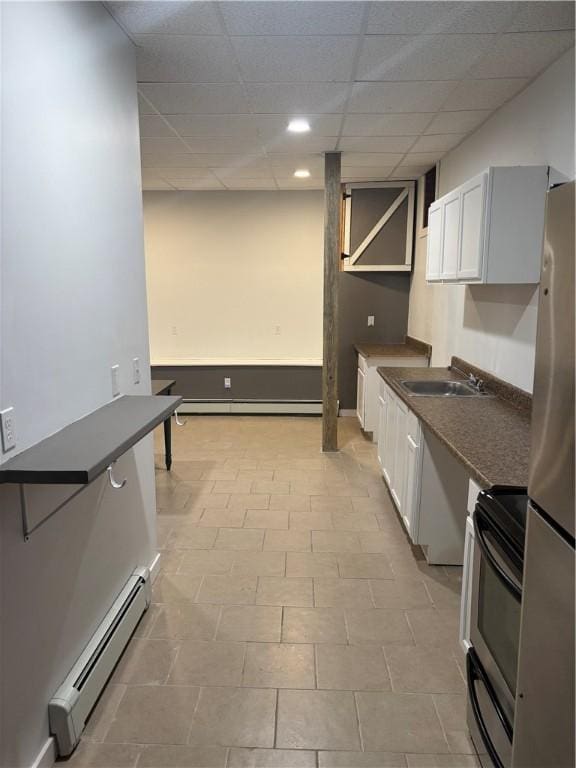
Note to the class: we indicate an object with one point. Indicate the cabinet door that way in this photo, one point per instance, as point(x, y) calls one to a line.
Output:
point(434, 242)
point(399, 478)
point(472, 218)
point(360, 396)
point(388, 467)
point(382, 413)
point(412, 502)
point(450, 234)
point(466, 595)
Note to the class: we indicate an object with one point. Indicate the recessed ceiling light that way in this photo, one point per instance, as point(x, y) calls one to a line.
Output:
point(298, 126)
point(302, 173)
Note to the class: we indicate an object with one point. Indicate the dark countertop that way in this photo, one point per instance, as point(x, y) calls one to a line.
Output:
point(409, 348)
point(488, 435)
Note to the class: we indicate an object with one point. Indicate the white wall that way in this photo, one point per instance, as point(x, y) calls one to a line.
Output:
point(226, 268)
point(73, 303)
point(494, 327)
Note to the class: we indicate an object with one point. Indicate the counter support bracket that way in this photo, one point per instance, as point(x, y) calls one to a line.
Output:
point(27, 531)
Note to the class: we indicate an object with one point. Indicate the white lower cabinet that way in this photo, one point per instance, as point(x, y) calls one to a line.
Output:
point(361, 397)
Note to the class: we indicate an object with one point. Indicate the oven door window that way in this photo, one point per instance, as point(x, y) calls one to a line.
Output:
point(499, 622)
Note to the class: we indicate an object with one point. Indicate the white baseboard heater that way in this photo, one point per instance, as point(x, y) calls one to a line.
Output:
point(76, 697)
point(285, 407)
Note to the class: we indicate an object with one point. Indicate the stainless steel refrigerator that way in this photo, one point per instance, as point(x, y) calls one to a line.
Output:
point(544, 718)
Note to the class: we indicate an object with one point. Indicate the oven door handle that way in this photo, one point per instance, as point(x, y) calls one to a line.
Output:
point(474, 671)
point(509, 583)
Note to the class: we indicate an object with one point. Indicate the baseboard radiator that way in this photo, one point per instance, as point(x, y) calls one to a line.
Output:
point(255, 407)
point(68, 710)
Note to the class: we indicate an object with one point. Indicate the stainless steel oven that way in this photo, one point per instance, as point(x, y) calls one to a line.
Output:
point(492, 661)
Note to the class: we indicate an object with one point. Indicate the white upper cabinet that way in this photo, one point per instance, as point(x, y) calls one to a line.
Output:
point(490, 229)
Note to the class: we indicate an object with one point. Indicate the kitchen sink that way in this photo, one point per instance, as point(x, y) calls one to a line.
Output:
point(429, 388)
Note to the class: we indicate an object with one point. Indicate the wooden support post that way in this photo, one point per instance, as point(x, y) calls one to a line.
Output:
point(332, 207)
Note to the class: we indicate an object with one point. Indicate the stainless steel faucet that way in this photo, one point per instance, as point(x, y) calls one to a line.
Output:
point(475, 382)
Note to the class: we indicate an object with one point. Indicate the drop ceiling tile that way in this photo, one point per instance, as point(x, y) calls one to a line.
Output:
point(386, 125)
point(272, 126)
point(410, 171)
point(199, 186)
point(197, 18)
point(156, 186)
point(399, 97)
point(153, 126)
point(184, 174)
point(457, 122)
point(437, 17)
point(243, 171)
point(366, 174)
point(295, 59)
point(372, 160)
point(292, 18)
point(185, 59)
point(255, 184)
point(523, 54)
point(168, 146)
point(483, 94)
point(420, 57)
point(215, 126)
point(187, 98)
point(438, 143)
point(376, 144)
point(222, 145)
point(427, 159)
point(162, 160)
point(540, 16)
point(286, 166)
point(297, 98)
point(291, 183)
point(149, 175)
point(296, 144)
point(143, 107)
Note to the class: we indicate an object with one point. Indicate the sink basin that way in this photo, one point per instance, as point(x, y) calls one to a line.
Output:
point(429, 388)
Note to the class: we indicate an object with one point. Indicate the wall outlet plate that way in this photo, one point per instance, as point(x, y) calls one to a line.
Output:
point(115, 376)
point(370, 320)
point(136, 370)
point(227, 383)
point(7, 427)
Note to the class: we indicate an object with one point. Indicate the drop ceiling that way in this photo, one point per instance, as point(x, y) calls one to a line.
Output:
point(392, 85)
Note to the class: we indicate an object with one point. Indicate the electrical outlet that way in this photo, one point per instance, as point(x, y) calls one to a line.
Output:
point(115, 376)
point(8, 429)
point(370, 320)
point(227, 383)
point(136, 370)
point(277, 330)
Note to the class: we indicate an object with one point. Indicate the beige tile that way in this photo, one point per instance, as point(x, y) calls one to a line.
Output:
point(435, 627)
point(203, 562)
point(460, 743)
point(103, 713)
point(276, 487)
point(423, 670)
point(250, 622)
point(279, 665)
point(175, 588)
point(444, 593)
point(154, 714)
point(93, 755)
point(173, 498)
point(239, 539)
point(292, 502)
point(256, 474)
point(330, 504)
point(451, 708)
point(354, 521)
point(205, 500)
point(285, 591)
point(361, 760)
point(399, 594)
point(399, 722)
point(232, 486)
point(271, 758)
point(352, 668)
point(145, 661)
point(378, 627)
point(259, 564)
point(197, 622)
point(171, 560)
point(308, 520)
point(381, 542)
point(314, 625)
point(311, 564)
point(249, 501)
point(288, 541)
point(275, 519)
point(317, 720)
point(345, 593)
point(156, 756)
point(375, 506)
point(335, 541)
point(187, 537)
point(442, 761)
point(363, 566)
point(208, 663)
point(239, 590)
point(222, 518)
point(235, 717)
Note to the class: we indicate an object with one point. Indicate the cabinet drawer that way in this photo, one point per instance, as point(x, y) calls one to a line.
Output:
point(362, 363)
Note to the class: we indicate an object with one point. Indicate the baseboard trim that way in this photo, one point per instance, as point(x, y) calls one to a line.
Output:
point(255, 407)
point(155, 567)
point(47, 755)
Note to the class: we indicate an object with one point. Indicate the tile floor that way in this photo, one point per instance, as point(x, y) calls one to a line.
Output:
point(292, 625)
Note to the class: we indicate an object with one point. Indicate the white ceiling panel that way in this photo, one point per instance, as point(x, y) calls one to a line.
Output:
point(248, 171)
point(155, 127)
point(187, 98)
point(366, 174)
point(162, 160)
point(483, 94)
point(295, 59)
point(376, 144)
point(272, 126)
point(297, 98)
point(422, 158)
point(421, 57)
point(168, 146)
point(156, 186)
point(184, 59)
point(523, 54)
point(181, 18)
point(215, 126)
point(250, 183)
point(291, 183)
point(457, 122)
point(174, 175)
point(437, 17)
point(375, 159)
point(221, 145)
point(292, 18)
point(399, 97)
point(144, 107)
point(542, 16)
point(199, 186)
point(438, 143)
point(410, 171)
point(386, 125)
point(294, 144)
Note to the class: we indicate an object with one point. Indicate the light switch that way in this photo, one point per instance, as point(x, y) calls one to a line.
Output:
point(136, 370)
point(227, 383)
point(115, 376)
point(8, 429)
point(370, 320)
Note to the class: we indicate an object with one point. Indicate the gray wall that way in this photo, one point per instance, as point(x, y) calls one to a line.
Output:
point(383, 295)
